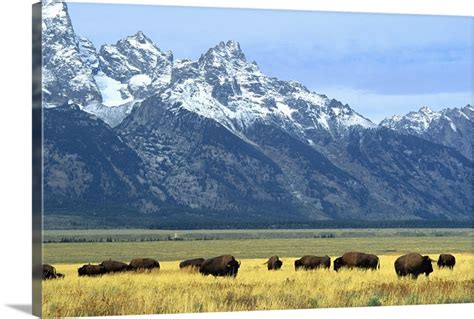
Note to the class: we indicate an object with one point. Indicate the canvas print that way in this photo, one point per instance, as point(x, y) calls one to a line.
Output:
point(211, 160)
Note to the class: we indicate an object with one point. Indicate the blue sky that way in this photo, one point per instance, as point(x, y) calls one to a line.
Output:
point(379, 64)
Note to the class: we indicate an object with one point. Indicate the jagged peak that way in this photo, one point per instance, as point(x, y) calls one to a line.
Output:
point(49, 2)
point(386, 122)
point(54, 9)
point(136, 41)
point(141, 41)
point(227, 50)
point(426, 110)
point(231, 45)
point(140, 37)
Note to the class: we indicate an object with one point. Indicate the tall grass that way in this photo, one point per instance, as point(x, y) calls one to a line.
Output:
point(170, 290)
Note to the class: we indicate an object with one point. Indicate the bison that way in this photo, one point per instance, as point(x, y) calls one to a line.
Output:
point(191, 263)
point(113, 266)
point(312, 262)
point(413, 264)
point(91, 270)
point(446, 260)
point(225, 265)
point(49, 272)
point(273, 263)
point(143, 263)
point(357, 260)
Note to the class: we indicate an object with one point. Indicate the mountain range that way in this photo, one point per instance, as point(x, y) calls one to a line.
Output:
point(131, 132)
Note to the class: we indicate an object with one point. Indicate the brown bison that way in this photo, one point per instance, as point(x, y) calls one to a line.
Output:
point(225, 265)
point(191, 263)
point(49, 272)
point(113, 266)
point(91, 270)
point(273, 263)
point(357, 260)
point(413, 264)
point(143, 263)
point(312, 262)
point(446, 260)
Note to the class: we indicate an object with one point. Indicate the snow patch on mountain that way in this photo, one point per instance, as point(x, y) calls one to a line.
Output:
point(285, 109)
point(113, 116)
point(114, 93)
point(139, 81)
point(53, 9)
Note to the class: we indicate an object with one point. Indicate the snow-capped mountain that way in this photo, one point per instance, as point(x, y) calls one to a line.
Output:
point(217, 139)
point(451, 127)
point(132, 69)
point(88, 54)
point(224, 86)
point(66, 75)
point(136, 60)
point(108, 83)
point(221, 85)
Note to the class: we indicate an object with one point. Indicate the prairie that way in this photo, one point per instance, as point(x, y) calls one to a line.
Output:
point(170, 290)
point(95, 246)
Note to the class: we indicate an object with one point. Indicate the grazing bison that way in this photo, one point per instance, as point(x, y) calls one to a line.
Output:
point(357, 260)
point(225, 265)
point(49, 272)
point(313, 262)
point(113, 266)
point(446, 260)
point(274, 263)
point(91, 270)
point(191, 263)
point(413, 264)
point(143, 263)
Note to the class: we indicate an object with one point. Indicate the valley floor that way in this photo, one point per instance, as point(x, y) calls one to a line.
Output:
point(95, 246)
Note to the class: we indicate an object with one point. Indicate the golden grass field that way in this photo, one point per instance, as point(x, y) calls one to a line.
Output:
point(170, 290)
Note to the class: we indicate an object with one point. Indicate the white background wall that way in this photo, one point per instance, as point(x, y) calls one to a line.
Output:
point(15, 151)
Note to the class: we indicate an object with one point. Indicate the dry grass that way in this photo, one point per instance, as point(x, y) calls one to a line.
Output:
point(171, 290)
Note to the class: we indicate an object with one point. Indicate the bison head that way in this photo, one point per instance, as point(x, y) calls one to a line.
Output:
point(427, 266)
point(233, 267)
point(81, 271)
point(297, 264)
point(338, 263)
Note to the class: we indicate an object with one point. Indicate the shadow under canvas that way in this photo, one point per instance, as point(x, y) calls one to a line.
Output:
point(25, 308)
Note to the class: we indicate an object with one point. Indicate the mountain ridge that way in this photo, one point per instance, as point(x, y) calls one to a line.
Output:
point(449, 126)
point(216, 139)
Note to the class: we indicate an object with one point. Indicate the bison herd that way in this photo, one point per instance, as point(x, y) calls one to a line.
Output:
point(412, 264)
point(111, 266)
